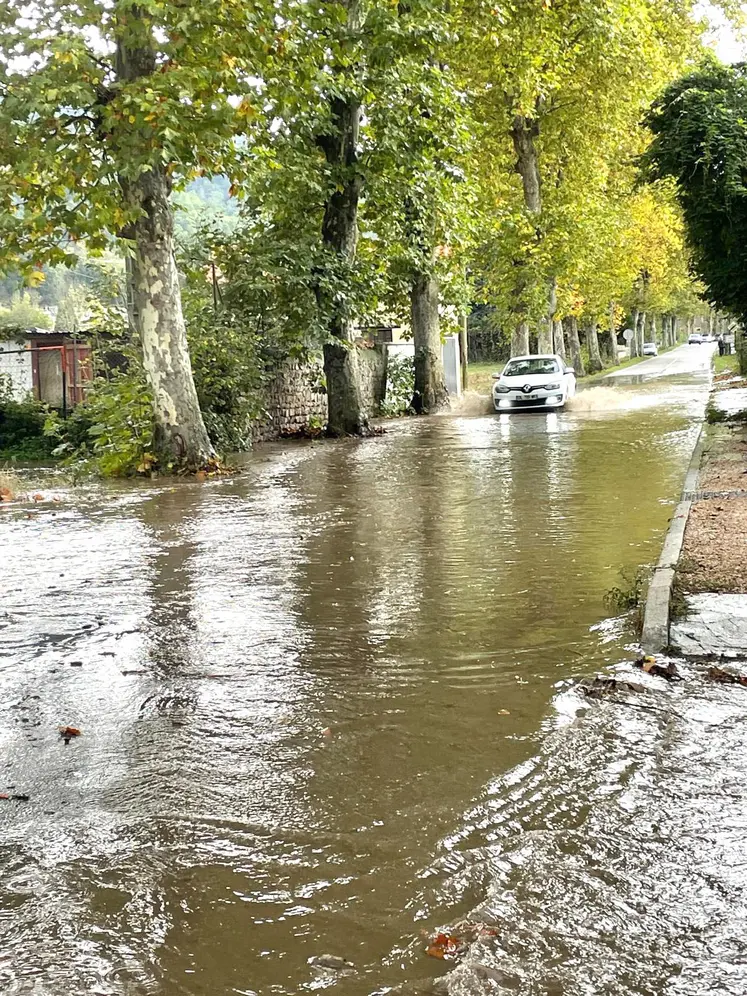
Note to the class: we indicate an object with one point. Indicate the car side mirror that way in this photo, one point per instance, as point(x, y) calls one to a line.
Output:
point(569, 370)
point(496, 376)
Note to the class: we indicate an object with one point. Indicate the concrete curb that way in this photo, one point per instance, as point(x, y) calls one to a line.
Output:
point(655, 636)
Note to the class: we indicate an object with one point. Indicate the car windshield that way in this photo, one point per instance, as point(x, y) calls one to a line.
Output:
point(532, 365)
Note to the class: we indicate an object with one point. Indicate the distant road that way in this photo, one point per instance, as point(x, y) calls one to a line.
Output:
point(682, 360)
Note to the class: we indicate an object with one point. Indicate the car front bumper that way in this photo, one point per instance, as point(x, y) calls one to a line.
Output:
point(515, 402)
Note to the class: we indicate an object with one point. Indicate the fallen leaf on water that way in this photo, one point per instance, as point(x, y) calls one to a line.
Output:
point(503, 712)
point(648, 663)
point(327, 731)
point(37, 497)
point(69, 731)
point(6, 494)
point(445, 947)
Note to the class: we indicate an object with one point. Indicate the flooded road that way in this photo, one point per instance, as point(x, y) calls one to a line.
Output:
point(324, 706)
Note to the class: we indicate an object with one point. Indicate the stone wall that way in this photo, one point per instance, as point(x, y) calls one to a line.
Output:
point(372, 363)
point(296, 400)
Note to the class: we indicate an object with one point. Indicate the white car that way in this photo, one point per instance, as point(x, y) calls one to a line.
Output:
point(650, 349)
point(695, 339)
point(536, 381)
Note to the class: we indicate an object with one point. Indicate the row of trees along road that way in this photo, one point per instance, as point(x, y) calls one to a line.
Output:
point(422, 153)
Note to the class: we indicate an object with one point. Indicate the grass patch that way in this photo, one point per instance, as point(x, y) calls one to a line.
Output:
point(9, 484)
point(480, 376)
point(726, 365)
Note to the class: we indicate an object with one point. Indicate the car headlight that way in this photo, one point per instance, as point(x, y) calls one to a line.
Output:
point(502, 389)
point(552, 387)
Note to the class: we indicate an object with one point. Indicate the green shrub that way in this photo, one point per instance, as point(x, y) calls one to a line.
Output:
point(400, 383)
point(22, 428)
point(228, 376)
point(112, 433)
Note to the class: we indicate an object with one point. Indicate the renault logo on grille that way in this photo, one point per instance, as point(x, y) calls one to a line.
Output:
point(527, 388)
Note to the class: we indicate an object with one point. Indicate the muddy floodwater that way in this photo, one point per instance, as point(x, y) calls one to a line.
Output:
point(326, 706)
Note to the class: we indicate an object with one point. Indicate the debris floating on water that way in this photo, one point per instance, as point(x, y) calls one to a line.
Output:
point(667, 671)
point(600, 687)
point(332, 963)
point(726, 677)
point(68, 732)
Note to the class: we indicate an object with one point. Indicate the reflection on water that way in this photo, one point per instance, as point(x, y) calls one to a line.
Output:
point(293, 686)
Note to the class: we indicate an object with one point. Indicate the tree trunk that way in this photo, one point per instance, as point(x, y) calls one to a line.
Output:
point(592, 341)
point(640, 332)
point(652, 330)
point(520, 340)
point(559, 340)
point(524, 130)
point(574, 346)
point(633, 344)
point(155, 295)
point(544, 332)
point(464, 351)
point(340, 233)
point(613, 333)
point(430, 392)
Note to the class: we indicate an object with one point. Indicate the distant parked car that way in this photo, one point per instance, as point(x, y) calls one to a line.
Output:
point(694, 339)
point(650, 349)
point(533, 381)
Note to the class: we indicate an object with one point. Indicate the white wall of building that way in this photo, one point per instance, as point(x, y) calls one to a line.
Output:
point(450, 354)
point(17, 366)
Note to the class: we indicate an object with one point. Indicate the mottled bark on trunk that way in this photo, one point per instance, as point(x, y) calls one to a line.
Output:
point(464, 350)
point(430, 392)
point(633, 344)
point(544, 332)
point(544, 336)
point(592, 342)
point(574, 345)
point(652, 330)
point(558, 340)
point(524, 131)
point(340, 233)
point(612, 328)
point(640, 337)
point(342, 374)
point(520, 340)
point(154, 294)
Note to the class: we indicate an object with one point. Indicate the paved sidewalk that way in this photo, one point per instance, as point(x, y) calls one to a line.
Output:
point(710, 603)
